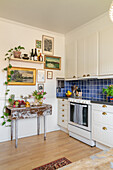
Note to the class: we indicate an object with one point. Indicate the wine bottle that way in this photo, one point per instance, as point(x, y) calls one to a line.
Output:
point(32, 55)
point(41, 57)
point(35, 55)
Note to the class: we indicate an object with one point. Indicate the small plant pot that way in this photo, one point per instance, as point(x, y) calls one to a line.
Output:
point(110, 98)
point(17, 54)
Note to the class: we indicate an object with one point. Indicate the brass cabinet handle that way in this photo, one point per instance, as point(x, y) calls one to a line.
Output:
point(74, 76)
point(62, 110)
point(62, 120)
point(62, 99)
point(62, 115)
point(104, 113)
point(62, 104)
point(88, 75)
point(84, 75)
point(104, 105)
point(104, 128)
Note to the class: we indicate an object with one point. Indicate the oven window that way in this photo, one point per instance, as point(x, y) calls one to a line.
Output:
point(79, 114)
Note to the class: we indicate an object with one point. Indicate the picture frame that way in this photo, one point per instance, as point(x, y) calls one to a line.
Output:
point(22, 76)
point(49, 74)
point(41, 75)
point(47, 45)
point(38, 44)
point(52, 62)
point(40, 87)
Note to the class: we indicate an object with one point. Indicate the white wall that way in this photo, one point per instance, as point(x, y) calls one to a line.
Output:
point(13, 34)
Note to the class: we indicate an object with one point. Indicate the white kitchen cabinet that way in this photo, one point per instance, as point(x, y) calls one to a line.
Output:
point(80, 58)
point(71, 60)
point(63, 111)
point(91, 55)
point(102, 124)
point(106, 51)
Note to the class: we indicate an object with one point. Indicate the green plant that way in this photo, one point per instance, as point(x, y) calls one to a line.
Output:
point(8, 55)
point(39, 95)
point(108, 90)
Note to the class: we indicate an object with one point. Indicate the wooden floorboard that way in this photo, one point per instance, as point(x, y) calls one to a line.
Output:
point(34, 151)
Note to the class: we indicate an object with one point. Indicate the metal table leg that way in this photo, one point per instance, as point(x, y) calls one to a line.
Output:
point(38, 125)
point(44, 128)
point(12, 128)
point(16, 133)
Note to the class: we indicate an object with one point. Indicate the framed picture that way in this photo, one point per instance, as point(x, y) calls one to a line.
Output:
point(52, 62)
point(40, 87)
point(49, 74)
point(38, 44)
point(41, 74)
point(47, 45)
point(22, 76)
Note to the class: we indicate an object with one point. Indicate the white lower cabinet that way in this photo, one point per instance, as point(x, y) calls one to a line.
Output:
point(63, 110)
point(102, 124)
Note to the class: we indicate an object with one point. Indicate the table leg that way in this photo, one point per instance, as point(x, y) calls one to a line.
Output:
point(38, 125)
point(44, 128)
point(12, 128)
point(16, 133)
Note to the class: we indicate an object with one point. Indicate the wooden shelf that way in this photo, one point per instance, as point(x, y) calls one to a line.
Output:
point(27, 61)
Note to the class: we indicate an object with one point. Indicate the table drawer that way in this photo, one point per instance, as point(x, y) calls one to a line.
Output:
point(102, 117)
point(102, 107)
point(103, 134)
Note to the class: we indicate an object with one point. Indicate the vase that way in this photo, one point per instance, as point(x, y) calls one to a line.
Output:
point(17, 54)
point(41, 102)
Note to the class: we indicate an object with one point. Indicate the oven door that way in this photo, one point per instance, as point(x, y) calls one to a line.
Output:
point(80, 115)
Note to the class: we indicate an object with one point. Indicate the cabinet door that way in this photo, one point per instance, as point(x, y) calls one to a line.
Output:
point(106, 52)
point(91, 55)
point(80, 58)
point(71, 60)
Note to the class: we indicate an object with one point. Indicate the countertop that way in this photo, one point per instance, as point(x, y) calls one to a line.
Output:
point(96, 101)
point(100, 161)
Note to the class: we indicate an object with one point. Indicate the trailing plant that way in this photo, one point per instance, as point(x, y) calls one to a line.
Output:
point(8, 55)
point(108, 90)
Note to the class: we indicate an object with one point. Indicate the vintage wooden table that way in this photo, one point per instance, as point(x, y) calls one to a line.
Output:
point(28, 112)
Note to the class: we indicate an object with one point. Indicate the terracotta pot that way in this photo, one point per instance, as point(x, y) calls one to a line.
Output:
point(17, 54)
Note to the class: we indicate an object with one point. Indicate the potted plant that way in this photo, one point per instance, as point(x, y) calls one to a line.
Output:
point(39, 96)
point(109, 91)
point(16, 51)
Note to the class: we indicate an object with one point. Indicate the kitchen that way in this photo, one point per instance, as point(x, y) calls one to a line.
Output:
point(86, 63)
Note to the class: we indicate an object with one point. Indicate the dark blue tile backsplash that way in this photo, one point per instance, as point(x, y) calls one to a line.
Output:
point(91, 89)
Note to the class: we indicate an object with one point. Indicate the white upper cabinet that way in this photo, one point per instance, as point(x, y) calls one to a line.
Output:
point(106, 52)
point(80, 58)
point(91, 55)
point(71, 60)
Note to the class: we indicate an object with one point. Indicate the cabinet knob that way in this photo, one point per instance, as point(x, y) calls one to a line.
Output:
point(88, 75)
point(104, 105)
point(62, 115)
point(62, 110)
point(74, 76)
point(104, 113)
point(62, 104)
point(84, 75)
point(62, 120)
point(62, 99)
point(104, 128)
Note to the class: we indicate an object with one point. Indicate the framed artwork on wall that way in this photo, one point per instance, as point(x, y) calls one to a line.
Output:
point(52, 62)
point(40, 87)
point(22, 76)
point(49, 74)
point(47, 45)
point(41, 76)
point(38, 44)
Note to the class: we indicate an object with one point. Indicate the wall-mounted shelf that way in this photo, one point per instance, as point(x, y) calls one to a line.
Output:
point(27, 61)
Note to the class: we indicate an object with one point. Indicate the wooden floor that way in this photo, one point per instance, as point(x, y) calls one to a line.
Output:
point(34, 151)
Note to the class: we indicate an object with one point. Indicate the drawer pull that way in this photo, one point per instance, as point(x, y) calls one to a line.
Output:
point(62, 110)
point(104, 128)
point(84, 75)
point(62, 120)
point(62, 115)
point(62, 104)
point(104, 105)
point(62, 99)
point(88, 75)
point(104, 113)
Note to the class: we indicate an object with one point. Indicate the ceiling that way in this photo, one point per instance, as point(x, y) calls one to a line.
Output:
point(54, 15)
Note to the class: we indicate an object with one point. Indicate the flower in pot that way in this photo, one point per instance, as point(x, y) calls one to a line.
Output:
point(109, 92)
point(39, 96)
point(17, 51)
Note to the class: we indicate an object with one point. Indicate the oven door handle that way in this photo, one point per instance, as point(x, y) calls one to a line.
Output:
point(72, 104)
